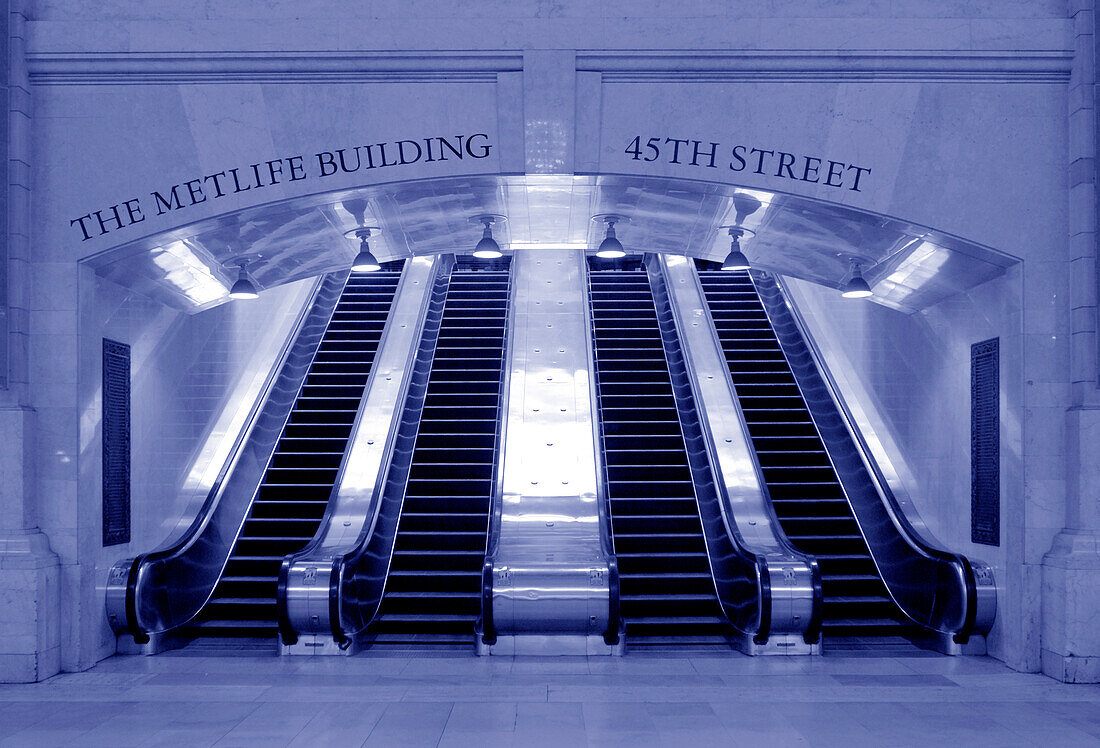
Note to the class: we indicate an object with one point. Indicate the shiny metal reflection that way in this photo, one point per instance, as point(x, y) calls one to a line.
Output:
point(330, 590)
point(550, 571)
point(910, 266)
point(856, 287)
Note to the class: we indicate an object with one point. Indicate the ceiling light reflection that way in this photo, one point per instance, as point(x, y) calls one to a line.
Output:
point(187, 273)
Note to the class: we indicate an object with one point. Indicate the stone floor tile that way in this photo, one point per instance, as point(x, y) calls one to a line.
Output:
point(542, 724)
point(457, 699)
point(410, 724)
point(340, 725)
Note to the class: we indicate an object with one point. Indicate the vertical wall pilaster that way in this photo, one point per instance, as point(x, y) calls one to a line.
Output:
point(29, 572)
point(1071, 570)
point(549, 106)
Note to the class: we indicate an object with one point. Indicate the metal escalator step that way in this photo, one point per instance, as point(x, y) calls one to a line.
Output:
point(676, 621)
point(242, 579)
point(270, 538)
point(212, 623)
point(421, 595)
point(439, 572)
point(861, 599)
point(285, 520)
point(671, 597)
point(679, 642)
point(660, 534)
point(670, 500)
point(794, 484)
point(863, 623)
point(642, 525)
point(253, 601)
point(799, 474)
point(426, 618)
point(625, 490)
point(276, 505)
point(796, 537)
point(663, 456)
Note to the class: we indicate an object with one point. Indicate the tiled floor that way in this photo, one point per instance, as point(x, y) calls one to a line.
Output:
point(449, 699)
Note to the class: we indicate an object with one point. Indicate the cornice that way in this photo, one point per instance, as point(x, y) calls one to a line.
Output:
point(266, 67)
point(1024, 66)
point(145, 68)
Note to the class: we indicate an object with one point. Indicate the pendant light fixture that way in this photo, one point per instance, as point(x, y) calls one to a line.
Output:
point(735, 259)
point(245, 286)
point(856, 287)
point(610, 248)
point(365, 261)
point(487, 248)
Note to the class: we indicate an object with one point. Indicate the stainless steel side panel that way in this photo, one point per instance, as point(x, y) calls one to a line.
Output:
point(313, 576)
point(743, 506)
point(163, 589)
point(550, 567)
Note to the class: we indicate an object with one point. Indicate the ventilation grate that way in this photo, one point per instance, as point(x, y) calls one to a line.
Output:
point(985, 452)
point(116, 442)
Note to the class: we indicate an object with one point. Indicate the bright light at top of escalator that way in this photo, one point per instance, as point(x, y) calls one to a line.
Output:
point(487, 248)
point(187, 273)
point(856, 287)
point(611, 248)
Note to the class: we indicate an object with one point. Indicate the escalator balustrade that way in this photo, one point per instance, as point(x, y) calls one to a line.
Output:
point(291, 500)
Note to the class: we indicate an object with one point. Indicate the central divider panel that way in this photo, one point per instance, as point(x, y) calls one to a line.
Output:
point(550, 580)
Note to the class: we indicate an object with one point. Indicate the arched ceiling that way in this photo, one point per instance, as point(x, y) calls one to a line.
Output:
point(909, 267)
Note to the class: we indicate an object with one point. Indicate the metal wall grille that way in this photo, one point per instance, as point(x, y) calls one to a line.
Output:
point(116, 442)
point(985, 443)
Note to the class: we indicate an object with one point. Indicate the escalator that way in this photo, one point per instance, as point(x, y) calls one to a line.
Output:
point(667, 593)
point(433, 589)
point(806, 492)
point(296, 486)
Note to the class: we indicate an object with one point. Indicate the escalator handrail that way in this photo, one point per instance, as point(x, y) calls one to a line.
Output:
point(781, 550)
point(907, 529)
point(603, 498)
point(496, 496)
point(128, 575)
point(331, 555)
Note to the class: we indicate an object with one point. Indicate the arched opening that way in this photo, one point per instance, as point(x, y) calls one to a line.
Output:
point(900, 358)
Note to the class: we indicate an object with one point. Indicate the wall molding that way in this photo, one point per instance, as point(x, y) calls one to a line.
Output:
point(142, 68)
point(1024, 66)
point(708, 66)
